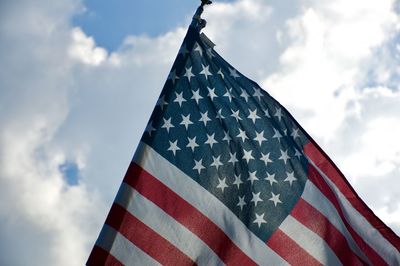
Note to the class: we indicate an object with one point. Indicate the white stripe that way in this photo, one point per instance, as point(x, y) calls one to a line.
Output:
point(166, 226)
point(122, 249)
point(315, 198)
point(361, 225)
point(206, 203)
point(309, 241)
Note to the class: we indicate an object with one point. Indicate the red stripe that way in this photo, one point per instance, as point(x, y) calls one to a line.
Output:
point(187, 215)
point(145, 238)
point(319, 182)
point(315, 153)
point(290, 250)
point(319, 224)
point(99, 256)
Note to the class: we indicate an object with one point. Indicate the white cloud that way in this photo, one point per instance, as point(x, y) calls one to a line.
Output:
point(84, 49)
point(44, 222)
point(320, 69)
point(63, 98)
point(366, 148)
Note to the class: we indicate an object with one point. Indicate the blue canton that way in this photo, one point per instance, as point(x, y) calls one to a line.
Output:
point(230, 136)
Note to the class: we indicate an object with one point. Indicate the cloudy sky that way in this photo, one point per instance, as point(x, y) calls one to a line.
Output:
point(80, 78)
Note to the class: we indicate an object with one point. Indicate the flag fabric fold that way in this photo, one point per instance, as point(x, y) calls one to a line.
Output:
point(225, 175)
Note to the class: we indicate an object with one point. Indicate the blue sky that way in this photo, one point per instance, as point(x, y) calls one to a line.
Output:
point(82, 78)
point(111, 22)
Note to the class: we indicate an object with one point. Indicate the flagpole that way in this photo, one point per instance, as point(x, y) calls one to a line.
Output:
point(201, 23)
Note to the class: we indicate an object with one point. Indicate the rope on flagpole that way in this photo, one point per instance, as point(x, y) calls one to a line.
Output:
point(201, 23)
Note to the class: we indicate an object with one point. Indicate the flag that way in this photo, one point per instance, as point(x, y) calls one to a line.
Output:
point(224, 174)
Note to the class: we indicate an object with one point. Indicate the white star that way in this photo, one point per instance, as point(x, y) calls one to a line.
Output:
point(266, 113)
point(295, 133)
point(217, 162)
point(211, 93)
point(247, 155)
point(260, 137)
point(257, 93)
point(241, 203)
point(198, 49)
point(205, 71)
point(192, 143)
point(259, 220)
point(227, 138)
point(290, 178)
point(284, 156)
point(196, 96)
point(149, 128)
point(179, 98)
point(220, 73)
point(167, 124)
point(253, 115)
point(242, 135)
point(198, 165)
point(275, 198)
point(233, 73)
point(298, 154)
point(211, 140)
point(265, 158)
point(189, 73)
point(161, 102)
point(236, 115)
point(233, 158)
point(229, 95)
point(219, 114)
point(204, 118)
point(173, 146)
point(245, 95)
point(238, 181)
point(252, 177)
point(277, 135)
point(186, 121)
point(278, 113)
point(256, 198)
point(183, 50)
point(172, 75)
point(222, 184)
point(271, 178)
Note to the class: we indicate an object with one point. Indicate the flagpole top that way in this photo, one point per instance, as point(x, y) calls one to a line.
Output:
point(198, 22)
point(205, 2)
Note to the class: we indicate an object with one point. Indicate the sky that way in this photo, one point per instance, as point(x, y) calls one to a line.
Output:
point(79, 80)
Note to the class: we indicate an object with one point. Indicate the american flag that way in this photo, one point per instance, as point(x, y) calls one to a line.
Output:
point(225, 175)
